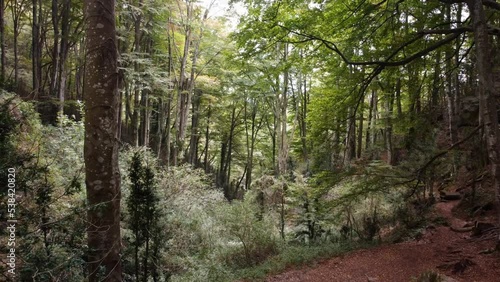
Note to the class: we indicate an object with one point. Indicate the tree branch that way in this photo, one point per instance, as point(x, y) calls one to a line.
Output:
point(454, 34)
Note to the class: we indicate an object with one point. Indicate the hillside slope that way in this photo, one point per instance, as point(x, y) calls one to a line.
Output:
point(453, 254)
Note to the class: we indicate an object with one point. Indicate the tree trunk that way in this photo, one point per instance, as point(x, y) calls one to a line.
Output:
point(165, 151)
point(250, 140)
point(350, 149)
point(35, 45)
point(369, 121)
point(449, 92)
point(183, 95)
point(2, 41)
point(55, 49)
point(102, 175)
point(282, 103)
point(159, 127)
point(137, 84)
point(487, 101)
point(17, 9)
point(373, 123)
point(388, 128)
point(207, 139)
point(195, 134)
point(360, 129)
point(303, 120)
point(63, 54)
point(16, 52)
point(144, 119)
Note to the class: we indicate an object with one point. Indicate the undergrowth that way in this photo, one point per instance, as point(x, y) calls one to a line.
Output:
point(298, 255)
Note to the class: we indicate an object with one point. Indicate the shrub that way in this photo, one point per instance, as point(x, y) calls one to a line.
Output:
point(251, 239)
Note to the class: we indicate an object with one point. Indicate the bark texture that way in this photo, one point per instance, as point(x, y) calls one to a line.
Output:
point(487, 101)
point(101, 147)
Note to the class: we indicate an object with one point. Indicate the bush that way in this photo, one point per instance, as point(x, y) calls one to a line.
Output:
point(251, 240)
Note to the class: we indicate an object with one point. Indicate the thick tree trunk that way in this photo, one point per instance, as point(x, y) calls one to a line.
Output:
point(2, 41)
point(101, 146)
point(487, 101)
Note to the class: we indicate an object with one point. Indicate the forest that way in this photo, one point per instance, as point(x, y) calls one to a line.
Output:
point(187, 140)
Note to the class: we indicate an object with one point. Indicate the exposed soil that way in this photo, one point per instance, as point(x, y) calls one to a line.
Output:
point(439, 249)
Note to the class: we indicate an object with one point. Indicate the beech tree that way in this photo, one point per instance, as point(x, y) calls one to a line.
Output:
point(101, 147)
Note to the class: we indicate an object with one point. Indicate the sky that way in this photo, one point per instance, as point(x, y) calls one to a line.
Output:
point(221, 8)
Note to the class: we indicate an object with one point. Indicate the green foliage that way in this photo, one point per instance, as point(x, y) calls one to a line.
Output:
point(52, 232)
point(252, 240)
point(144, 216)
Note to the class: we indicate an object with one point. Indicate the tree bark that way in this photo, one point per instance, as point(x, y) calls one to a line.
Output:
point(449, 92)
point(360, 130)
point(183, 95)
point(55, 48)
point(2, 41)
point(388, 128)
point(373, 123)
point(487, 101)
point(63, 54)
point(369, 121)
point(102, 175)
point(207, 139)
point(195, 134)
point(282, 102)
point(35, 52)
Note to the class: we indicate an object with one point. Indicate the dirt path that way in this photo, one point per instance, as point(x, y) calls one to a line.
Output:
point(400, 262)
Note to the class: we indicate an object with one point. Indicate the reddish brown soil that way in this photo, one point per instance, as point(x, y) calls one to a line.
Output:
point(400, 262)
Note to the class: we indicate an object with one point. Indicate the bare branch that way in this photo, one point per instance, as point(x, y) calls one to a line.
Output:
point(447, 31)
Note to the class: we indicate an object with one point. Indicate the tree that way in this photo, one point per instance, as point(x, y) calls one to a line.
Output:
point(487, 93)
point(144, 216)
point(101, 147)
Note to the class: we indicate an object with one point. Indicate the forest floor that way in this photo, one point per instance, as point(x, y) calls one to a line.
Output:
point(456, 255)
